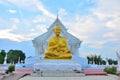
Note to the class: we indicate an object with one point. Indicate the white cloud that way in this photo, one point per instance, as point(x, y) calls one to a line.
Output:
point(20, 30)
point(17, 25)
point(100, 27)
point(42, 19)
point(7, 34)
point(114, 24)
point(62, 12)
point(109, 34)
point(107, 8)
point(95, 29)
point(30, 36)
point(84, 28)
point(12, 11)
point(112, 37)
point(42, 8)
point(41, 27)
point(10, 23)
point(85, 54)
point(15, 20)
point(109, 12)
point(2, 2)
point(22, 3)
point(32, 29)
point(11, 26)
point(33, 5)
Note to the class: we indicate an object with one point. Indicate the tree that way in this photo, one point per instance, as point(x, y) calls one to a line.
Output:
point(115, 62)
point(103, 62)
point(22, 58)
point(88, 58)
point(15, 55)
point(2, 56)
point(99, 60)
point(110, 70)
point(110, 61)
point(1, 59)
point(94, 59)
point(11, 68)
point(3, 53)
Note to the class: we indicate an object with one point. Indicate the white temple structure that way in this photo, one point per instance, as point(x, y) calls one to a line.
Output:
point(118, 56)
point(40, 42)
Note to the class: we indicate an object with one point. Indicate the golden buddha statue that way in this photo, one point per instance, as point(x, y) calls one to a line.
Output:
point(57, 46)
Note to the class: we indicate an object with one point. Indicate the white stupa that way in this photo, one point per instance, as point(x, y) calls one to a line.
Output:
point(118, 56)
point(40, 44)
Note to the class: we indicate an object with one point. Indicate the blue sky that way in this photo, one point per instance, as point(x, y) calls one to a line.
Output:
point(95, 22)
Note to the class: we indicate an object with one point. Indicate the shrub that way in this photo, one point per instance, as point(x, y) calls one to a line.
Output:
point(110, 70)
point(11, 68)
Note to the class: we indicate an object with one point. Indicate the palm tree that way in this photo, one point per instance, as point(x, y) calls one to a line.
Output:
point(99, 60)
point(115, 62)
point(95, 59)
point(88, 58)
point(110, 61)
point(103, 62)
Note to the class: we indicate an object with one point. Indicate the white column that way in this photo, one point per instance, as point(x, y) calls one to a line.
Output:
point(118, 56)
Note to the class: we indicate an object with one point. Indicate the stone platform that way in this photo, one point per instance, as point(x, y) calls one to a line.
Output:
point(57, 68)
point(57, 74)
point(57, 65)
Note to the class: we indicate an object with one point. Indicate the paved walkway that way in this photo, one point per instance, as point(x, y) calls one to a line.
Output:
point(109, 77)
point(13, 77)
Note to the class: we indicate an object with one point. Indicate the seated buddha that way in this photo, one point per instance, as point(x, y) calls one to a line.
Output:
point(57, 46)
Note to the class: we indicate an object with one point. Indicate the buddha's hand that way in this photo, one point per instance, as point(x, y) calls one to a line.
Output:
point(55, 46)
point(68, 51)
point(62, 45)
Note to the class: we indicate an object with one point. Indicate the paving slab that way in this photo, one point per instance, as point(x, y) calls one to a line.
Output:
point(109, 77)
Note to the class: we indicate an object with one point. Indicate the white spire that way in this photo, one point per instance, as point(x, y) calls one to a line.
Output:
point(57, 18)
point(118, 56)
point(57, 15)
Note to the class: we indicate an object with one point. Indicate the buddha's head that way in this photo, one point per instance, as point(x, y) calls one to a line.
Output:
point(57, 30)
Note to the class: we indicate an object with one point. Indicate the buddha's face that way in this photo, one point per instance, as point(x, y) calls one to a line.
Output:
point(57, 30)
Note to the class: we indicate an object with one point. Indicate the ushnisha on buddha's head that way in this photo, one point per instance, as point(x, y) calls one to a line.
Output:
point(57, 30)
